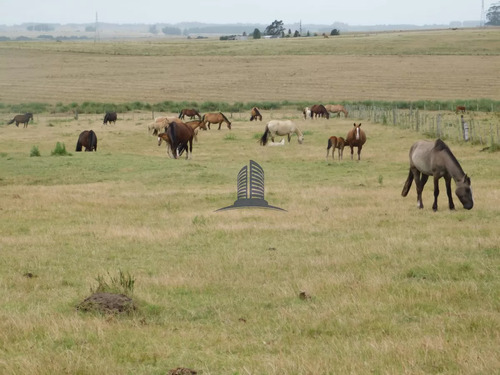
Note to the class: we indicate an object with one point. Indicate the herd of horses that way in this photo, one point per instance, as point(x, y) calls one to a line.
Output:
point(426, 158)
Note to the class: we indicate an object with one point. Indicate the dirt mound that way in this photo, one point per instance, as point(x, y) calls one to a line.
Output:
point(181, 371)
point(107, 303)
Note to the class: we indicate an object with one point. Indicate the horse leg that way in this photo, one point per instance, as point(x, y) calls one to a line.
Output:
point(420, 181)
point(220, 124)
point(359, 152)
point(448, 191)
point(352, 152)
point(289, 137)
point(436, 193)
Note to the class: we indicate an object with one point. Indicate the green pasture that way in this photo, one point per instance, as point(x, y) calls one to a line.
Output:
point(389, 289)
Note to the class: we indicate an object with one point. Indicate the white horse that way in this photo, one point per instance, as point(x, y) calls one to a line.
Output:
point(281, 128)
point(306, 112)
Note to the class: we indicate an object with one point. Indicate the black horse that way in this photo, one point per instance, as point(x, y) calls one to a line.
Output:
point(87, 139)
point(22, 119)
point(110, 117)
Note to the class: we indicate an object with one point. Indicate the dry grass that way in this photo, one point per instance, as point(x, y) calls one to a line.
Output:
point(393, 289)
point(387, 66)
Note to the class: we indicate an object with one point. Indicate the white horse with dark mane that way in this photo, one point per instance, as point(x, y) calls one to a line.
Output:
point(281, 128)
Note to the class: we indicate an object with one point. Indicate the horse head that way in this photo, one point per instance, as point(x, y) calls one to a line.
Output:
point(300, 138)
point(464, 192)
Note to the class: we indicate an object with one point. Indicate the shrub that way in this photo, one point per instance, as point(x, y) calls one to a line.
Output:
point(34, 151)
point(60, 150)
point(122, 283)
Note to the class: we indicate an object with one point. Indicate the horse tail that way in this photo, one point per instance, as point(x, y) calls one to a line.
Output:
point(92, 140)
point(171, 134)
point(407, 186)
point(78, 145)
point(329, 145)
point(11, 121)
point(180, 114)
point(263, 139)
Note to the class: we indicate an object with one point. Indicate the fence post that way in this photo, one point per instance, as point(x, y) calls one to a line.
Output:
point(438, 125)
point(465, 128)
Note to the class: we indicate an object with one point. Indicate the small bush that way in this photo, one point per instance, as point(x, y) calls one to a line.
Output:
point(123, 283)
point(34, 151)
point(60, 150)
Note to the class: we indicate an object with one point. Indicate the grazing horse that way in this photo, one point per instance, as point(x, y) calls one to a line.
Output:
point(280, 127)
point(336, 108)
point(215, 118)
point(189, 112)
point(22, 119)
point(436, 159)
point(87, 139)
point(460, 108)
point(195, 124)
point(255, 114)
point(306, 112)
point(319, 110)
point(333, 143)
point(181, 135)
point(110, 117)
point(356, 138)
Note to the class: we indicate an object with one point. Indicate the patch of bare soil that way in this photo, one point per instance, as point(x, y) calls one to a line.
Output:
point(107, 303)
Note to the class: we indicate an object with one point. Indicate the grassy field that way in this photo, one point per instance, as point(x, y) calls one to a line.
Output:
point(390, 289)
point(431, 65)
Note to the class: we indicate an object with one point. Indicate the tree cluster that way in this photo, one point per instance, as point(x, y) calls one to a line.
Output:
point(493, 15)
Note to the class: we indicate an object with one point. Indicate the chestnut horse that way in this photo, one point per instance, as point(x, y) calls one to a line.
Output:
point(255, 114)
point(333, 143)
point(87, 139)
point(460, 108)
point(336, 108)
point(22, 119)
point(189, 112)
point(436, 159)
point(215, 118)
point(356, 138)
point(319, 110)
point(181, 135)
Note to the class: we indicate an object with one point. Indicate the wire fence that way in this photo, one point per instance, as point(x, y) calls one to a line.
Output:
point(469, 126)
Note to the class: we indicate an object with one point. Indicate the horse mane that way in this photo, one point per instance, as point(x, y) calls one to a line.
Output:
point(439, 145)
point(225, 118)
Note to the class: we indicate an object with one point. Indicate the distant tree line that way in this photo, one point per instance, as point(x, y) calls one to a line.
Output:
point(493, 15)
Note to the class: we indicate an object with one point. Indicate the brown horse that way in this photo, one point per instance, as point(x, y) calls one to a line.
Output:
point(191, 112)
point(333, 143)
point(195, 125)
point(356, 138)
point(215, 118)
point(336, 108)
point(460, 108)
point(181, 135)
point(319, 110)
point(87, 139)
point(22, 119)
point(255, 114)
point(110, 117)
point(436, 159)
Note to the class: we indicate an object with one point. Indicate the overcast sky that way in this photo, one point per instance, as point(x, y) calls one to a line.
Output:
point(352, 12)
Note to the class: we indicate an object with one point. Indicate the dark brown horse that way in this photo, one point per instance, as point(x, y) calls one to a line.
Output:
point(181, 136)
point(436, 159)
point(333, 143)
point(215, 118)
point(110, 117)
point(191, 112)
point(22, 119)
point(319, 110)
point(255, 114)
point(460, 108)
point(356, 138)
point(87, 139)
